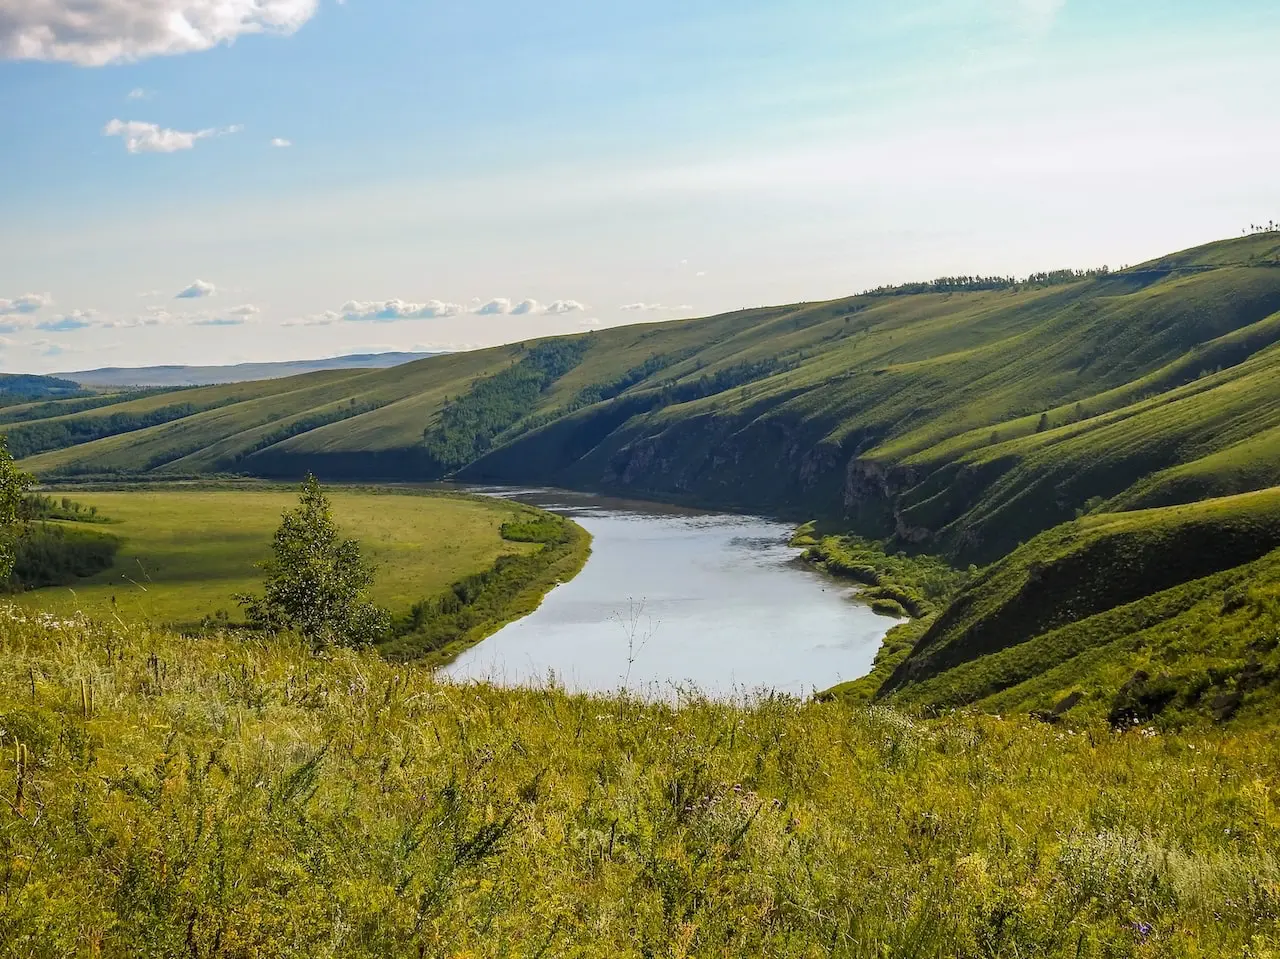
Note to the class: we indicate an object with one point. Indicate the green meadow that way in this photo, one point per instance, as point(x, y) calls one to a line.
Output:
point(240, 796)
point(186, 553)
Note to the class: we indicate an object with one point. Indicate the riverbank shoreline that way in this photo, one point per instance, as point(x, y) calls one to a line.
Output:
point(479, 606)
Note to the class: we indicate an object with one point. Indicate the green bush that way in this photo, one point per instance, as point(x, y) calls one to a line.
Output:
point(545, 529)
point(49, 554)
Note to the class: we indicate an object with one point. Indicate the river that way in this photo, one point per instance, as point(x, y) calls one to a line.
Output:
point(676, 599)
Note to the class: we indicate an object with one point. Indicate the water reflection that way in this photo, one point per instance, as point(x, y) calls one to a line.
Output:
point(674, 597)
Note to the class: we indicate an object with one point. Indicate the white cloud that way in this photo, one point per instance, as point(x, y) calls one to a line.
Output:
point(97, 32)
point(27, 303)
point(162, 316)
point(136, 322)
point(196, 290)
point(281, 142)
point(67, 322)
point(50, 348)
point(137, 93)
point(501, 306)
point(140, 137)
point(150, 293)
point(388, 311)
point(497, 307)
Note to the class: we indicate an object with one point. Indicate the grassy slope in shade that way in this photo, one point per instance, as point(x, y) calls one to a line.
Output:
point(186, 553)
point(247, 798)
point(1188, 596)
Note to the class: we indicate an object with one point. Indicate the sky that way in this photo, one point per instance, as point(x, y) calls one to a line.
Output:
point(218, 181)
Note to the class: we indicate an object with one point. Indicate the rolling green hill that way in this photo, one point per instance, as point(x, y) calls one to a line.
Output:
point(961, 418)
point(18, 388)
point(1169, 613)
point(961, 422)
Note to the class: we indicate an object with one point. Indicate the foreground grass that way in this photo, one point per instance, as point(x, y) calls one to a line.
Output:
point(245, 798)
point(187, 553)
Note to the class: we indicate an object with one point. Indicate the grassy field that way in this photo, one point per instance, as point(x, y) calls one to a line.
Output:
point(186, 553)
point(235, 797)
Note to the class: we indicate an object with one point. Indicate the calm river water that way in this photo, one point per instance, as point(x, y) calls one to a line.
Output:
point(677, 598)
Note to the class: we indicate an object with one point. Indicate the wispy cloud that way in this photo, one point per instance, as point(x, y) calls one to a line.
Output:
point(1037, 15)
point(94, 33)
point(140, 137)
point(318, 319)
point(196, 291)
point(654, 308)
point(220, 321)
point(67, 322)
point(27, 303)
point(134, 322)
point(137, 93)
point(281, 142)
point(163, 316)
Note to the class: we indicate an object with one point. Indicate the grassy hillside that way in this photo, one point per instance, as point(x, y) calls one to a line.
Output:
point(185, 554)
point(961, 418)
point(963, 421)
point(1170, 614)
point(246, 798)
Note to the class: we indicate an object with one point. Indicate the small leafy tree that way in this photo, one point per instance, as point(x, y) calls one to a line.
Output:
point(13, 487)
point(316, 584)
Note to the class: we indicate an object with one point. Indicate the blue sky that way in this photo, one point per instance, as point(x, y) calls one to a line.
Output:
point(453, 174)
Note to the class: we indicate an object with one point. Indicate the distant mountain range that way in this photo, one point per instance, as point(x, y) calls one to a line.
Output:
point(152, 376)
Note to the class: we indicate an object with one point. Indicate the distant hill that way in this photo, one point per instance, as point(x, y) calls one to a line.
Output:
point(152, 376)
point(26, 387)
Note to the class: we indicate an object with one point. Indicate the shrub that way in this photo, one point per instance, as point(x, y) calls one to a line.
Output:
point(316, 584)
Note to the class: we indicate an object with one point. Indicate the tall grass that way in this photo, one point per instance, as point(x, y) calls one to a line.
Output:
point(243, 797)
